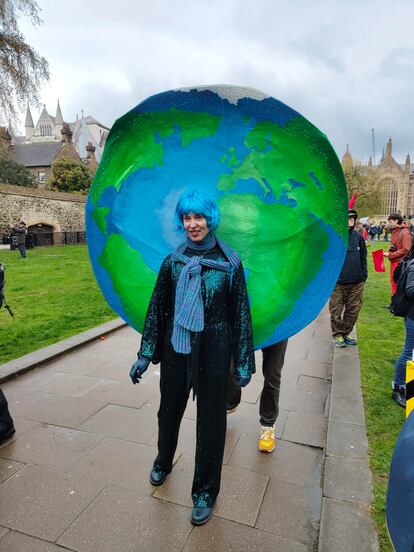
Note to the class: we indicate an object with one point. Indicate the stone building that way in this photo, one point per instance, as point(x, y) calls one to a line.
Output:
point(83, 140)
point(395, 182)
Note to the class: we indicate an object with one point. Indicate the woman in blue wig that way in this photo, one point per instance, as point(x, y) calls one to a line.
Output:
point(197, 319)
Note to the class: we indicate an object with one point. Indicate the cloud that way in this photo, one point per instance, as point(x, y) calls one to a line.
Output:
point(347, 67)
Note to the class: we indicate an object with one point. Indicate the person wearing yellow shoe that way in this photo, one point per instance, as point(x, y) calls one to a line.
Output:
point(273, 360)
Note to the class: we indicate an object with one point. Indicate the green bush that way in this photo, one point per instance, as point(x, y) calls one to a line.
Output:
point(16, 174)
point(69, 176)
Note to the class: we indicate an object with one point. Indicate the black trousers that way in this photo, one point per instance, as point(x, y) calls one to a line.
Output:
point(6, 421)
point(22, 249)
point(273, 360)
point(211, 420)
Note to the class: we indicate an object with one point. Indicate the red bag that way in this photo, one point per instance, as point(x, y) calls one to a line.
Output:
point(378, 258)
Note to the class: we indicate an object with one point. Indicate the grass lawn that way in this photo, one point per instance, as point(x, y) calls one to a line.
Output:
point(380, 340)
point(53, 294)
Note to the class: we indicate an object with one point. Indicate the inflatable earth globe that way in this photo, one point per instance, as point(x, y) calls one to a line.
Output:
point(275, 177)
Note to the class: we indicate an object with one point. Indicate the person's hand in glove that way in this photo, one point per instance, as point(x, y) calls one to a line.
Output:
point(242, 381)
point(138, 368)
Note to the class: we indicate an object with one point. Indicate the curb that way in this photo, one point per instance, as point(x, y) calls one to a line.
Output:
point(346, 523)
point(21, 365)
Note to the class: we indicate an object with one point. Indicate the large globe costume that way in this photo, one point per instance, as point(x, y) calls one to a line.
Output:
point(274, 175)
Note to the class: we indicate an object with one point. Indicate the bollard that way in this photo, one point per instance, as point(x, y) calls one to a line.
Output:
point(409, 387)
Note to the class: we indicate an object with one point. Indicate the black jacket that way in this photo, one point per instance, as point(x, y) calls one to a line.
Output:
point(227, 322)
point(20, 232)
point(409, 287)
point(354, 269)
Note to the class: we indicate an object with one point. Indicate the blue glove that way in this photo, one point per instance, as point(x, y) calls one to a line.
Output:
point(138, 368)
point(242, 381)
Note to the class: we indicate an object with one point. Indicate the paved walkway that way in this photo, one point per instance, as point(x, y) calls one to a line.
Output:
point(76, 474)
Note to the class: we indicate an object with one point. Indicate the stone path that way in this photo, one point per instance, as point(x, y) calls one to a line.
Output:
point(75, 477)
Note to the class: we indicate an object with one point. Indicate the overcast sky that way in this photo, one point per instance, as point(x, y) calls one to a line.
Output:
point(346, 66)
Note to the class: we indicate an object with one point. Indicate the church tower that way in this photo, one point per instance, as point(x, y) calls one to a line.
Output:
point(347, 162)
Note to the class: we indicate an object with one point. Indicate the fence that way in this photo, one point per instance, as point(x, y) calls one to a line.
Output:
point(47, 238)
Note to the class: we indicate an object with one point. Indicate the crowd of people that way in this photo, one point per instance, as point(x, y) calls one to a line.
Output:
point(346, 300)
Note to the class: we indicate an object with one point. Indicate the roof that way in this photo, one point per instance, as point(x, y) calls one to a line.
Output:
point(81, 136)
point(92, 121)
point(37, 154)
point(104, 136)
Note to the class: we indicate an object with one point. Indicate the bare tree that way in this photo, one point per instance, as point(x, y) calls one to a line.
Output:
point(22, 69)
point(362, 179)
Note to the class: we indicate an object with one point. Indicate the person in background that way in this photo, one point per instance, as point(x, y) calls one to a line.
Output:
point(6, 421)
point(364, 232)
point(20, 230)
point(346, 299)
point(402, 304)
point(401, 241)
point(400, 494)
point(273, 360)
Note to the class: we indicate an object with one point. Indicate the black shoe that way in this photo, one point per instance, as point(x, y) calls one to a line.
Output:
point(4, 435)
point(398, 394)
point(200, 516)
point(157, 477)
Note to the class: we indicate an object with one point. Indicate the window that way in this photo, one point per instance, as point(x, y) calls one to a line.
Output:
point(42, 177)
point(389, 197)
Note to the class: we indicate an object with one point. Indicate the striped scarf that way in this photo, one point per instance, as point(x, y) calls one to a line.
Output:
point(189, 307)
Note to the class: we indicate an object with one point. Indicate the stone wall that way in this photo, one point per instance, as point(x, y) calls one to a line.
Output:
point(65, 212)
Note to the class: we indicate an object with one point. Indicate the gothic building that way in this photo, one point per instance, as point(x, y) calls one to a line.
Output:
point(82, 140)
point(395, 183)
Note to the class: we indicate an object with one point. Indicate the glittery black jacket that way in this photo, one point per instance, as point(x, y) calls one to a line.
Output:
point(227, 319)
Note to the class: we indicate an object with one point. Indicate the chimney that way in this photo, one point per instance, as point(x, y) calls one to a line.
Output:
point(90, 158)
point(66, 134)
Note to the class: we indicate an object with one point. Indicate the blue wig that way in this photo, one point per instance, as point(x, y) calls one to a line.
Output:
point(197, 203)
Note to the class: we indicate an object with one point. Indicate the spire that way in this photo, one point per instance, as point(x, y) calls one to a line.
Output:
point(408, 164)
point(59, 118)
point(58, 122)
point(29, 119)
point(388, 151)
point(28, 125)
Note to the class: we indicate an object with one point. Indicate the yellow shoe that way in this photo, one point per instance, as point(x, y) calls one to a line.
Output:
point(267, 439)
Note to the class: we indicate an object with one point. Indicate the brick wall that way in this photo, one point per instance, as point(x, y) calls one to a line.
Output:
point(65, 212)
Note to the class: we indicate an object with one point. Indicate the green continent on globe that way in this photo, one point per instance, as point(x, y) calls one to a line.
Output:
point(282, 238)
point(286, 268)
point(99, 214)
point(283, 159)
point(132, 143)
point(124, 263)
